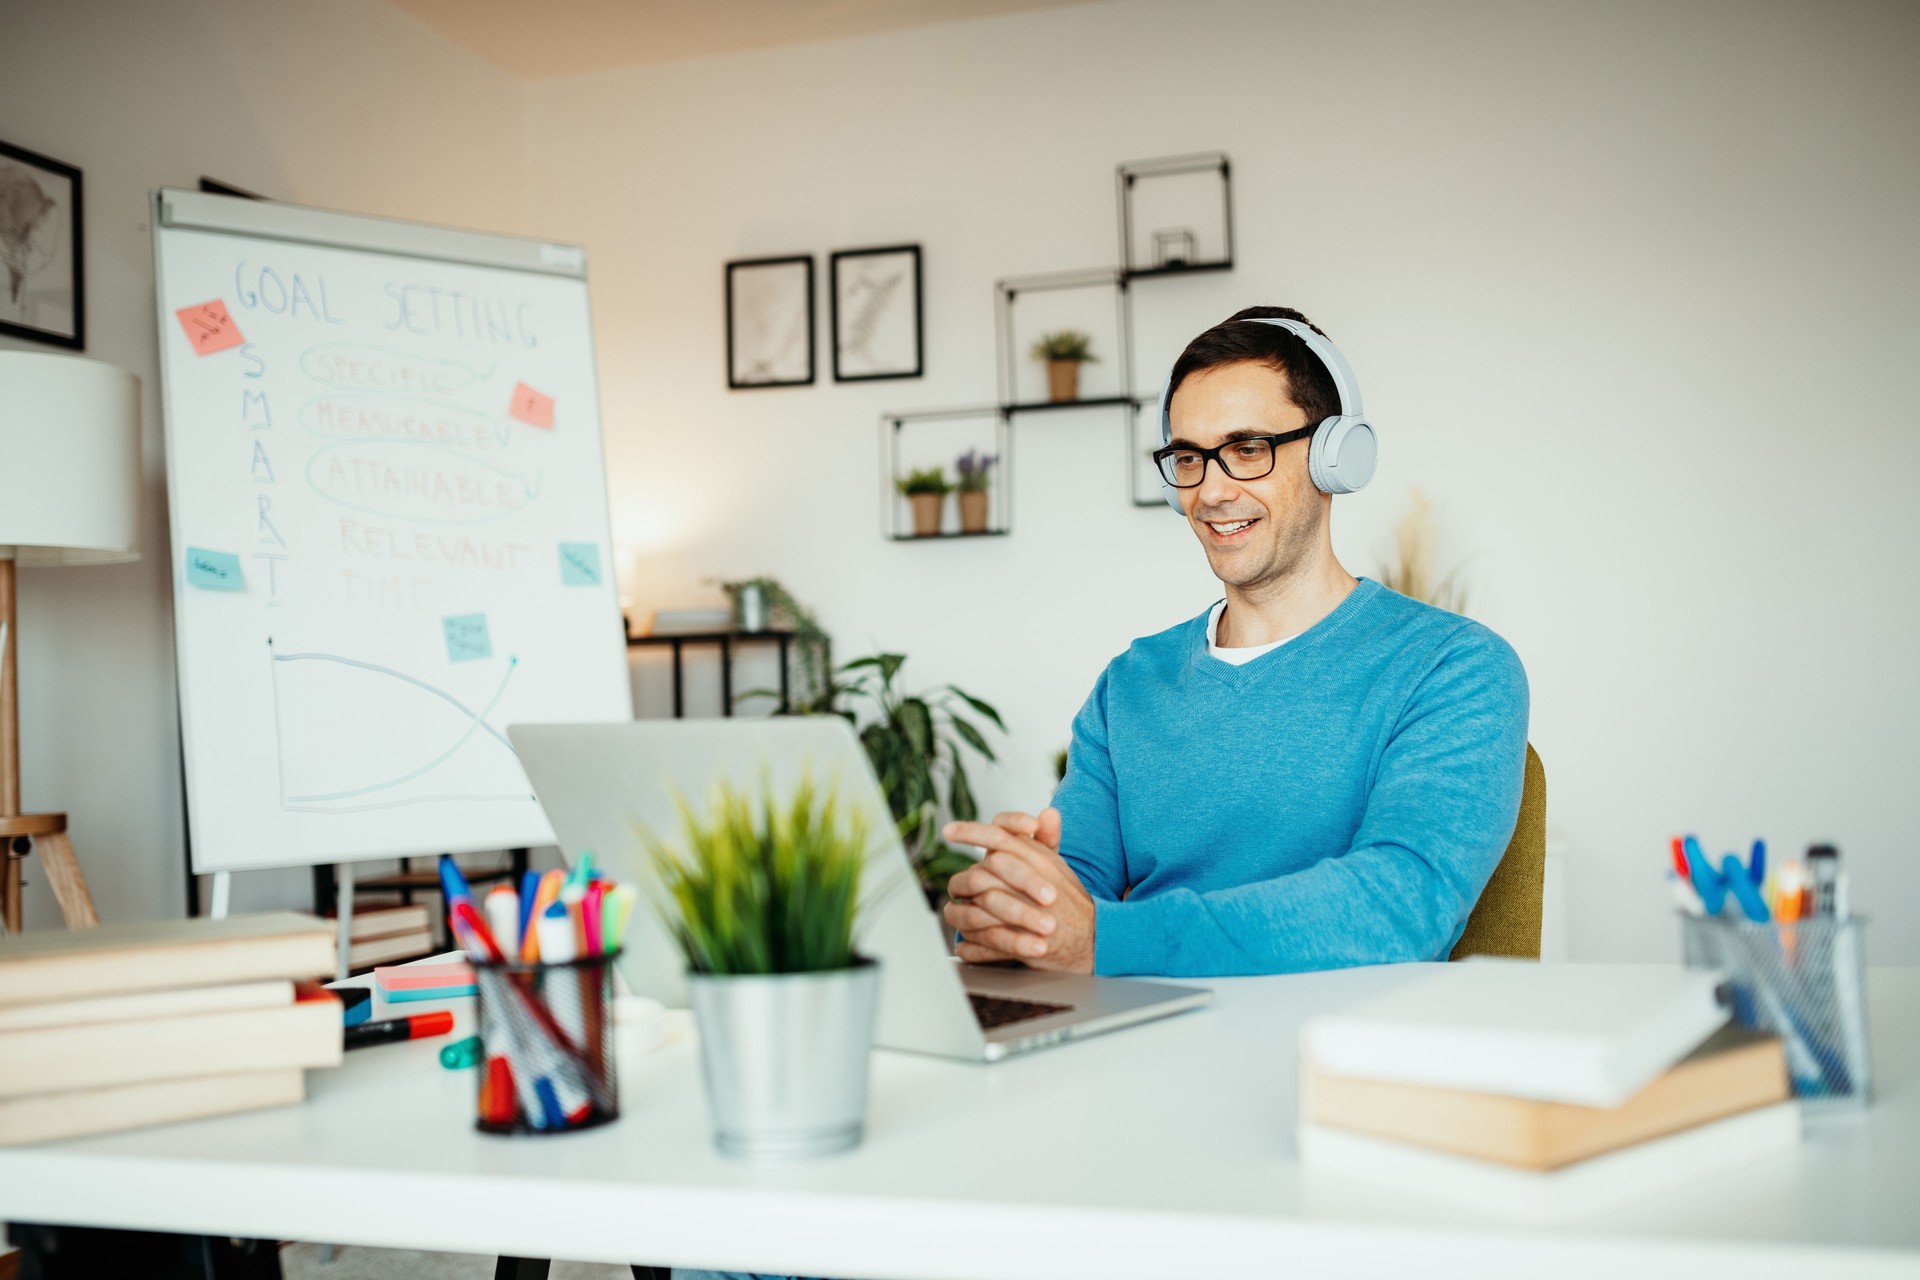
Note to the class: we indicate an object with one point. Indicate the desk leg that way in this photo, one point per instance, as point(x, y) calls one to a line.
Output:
point(521, 1269)
point(679, 708)
point(726, 676)
point(785, 698)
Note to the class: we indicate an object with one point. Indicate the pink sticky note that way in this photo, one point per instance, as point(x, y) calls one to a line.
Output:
point(209, 327)
point(531, 407)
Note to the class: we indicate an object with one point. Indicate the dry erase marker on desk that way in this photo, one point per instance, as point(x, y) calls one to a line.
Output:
point(417, 1027)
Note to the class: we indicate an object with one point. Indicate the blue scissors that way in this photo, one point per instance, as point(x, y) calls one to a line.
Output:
point(1742, 882)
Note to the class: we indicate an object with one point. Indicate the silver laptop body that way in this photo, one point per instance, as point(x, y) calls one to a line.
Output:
point(603, 784)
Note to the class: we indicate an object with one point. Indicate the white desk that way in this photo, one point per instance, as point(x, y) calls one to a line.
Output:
point(1163, 1151)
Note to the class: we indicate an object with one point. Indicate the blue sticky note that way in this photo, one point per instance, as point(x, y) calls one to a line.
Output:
point(580, 564)
point(214, 570)
point(467, 639)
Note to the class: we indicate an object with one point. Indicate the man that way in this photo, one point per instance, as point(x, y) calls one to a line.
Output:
point(1316, 772)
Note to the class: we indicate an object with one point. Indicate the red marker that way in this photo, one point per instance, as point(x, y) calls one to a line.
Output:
point(1680, 860)
point(417, 1027)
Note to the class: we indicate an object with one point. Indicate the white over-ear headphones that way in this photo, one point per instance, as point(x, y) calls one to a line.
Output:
point(1343, 451)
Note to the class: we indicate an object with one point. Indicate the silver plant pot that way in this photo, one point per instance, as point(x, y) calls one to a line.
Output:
point(785, 1059)
point(750, 608)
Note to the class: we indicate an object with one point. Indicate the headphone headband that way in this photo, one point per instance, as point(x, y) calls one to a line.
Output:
point(1342, 453)
point(1344, 382)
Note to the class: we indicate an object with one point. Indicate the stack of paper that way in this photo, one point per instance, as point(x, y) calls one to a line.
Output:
point(128, 1025)
point(1541, 1092)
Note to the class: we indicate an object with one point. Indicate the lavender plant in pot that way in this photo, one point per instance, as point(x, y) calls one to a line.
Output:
point(975, 471)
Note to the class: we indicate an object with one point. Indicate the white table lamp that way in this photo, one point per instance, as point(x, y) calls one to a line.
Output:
point(69, 494)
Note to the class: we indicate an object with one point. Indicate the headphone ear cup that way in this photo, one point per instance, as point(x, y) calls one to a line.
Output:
point(1342, 455)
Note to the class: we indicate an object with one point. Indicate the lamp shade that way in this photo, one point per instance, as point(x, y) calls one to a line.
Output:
point(69, 460)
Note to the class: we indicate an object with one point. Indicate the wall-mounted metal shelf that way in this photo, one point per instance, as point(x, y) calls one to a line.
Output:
point(1172, 251)
point(893, 448)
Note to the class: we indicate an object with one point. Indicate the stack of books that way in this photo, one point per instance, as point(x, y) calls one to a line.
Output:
point(380, 935)
point(127, 1025)
point(1541, 1093)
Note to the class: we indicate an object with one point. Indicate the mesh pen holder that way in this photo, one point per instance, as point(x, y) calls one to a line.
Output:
point(546, 1035)
point(1804, 981)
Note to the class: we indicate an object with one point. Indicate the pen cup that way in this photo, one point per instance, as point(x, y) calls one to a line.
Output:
point(1804, 981)
point(546, 1034)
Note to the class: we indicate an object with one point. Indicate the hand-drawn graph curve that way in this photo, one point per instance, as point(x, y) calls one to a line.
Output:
point(432, 746)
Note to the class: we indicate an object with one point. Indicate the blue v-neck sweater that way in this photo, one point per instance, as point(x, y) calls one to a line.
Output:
point(1341, 800)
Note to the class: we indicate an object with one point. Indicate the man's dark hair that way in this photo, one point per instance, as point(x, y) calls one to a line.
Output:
point(1308, 381)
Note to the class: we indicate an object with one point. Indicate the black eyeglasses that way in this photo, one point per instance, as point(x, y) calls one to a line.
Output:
point(1249, 458)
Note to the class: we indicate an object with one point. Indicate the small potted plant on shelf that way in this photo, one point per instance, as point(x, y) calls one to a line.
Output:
point(1064, 350)
point(926, 489)
point(761, 894)
point(974, 469)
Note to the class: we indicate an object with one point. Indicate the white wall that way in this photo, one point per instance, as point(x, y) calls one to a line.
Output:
point(1628, 286)
point(343, 103)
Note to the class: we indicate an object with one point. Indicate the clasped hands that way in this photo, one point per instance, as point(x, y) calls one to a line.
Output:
point(1021, 901)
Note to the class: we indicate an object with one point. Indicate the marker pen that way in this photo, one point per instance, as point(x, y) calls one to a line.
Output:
point(503, 918)
point(417, 1027)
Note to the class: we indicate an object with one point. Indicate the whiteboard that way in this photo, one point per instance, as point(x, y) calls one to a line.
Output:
point(389, 527)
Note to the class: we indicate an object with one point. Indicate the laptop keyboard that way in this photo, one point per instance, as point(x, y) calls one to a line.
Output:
point(998, 1011)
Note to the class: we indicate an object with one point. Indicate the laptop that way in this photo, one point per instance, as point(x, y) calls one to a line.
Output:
point(603, 784)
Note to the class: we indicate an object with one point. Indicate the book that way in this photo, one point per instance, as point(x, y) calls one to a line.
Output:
point(43, 1117)
point(374, 951)
point(305, 1033)
point(1606, 1182)
point(114, 959)
point(1590, 1034)
point(384, 922)
point(147, 1004)
point(1735, 1070)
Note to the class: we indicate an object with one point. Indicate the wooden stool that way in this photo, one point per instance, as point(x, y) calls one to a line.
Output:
point(21, 834)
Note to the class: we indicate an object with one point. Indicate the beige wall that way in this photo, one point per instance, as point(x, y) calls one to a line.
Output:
point(1628, 286)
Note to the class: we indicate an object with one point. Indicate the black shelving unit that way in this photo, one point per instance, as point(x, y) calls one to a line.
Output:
point(1129, 178)
point(1000, 509)
point(726, 641)
point(1182, 253)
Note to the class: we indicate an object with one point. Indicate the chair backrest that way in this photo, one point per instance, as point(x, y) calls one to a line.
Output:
point(1506, 920)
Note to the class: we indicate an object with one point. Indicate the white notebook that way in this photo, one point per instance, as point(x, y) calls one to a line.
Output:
point(1579, 1190)
point(1588, 1034)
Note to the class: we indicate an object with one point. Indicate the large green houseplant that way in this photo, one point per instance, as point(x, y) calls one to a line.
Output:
point(762, 893)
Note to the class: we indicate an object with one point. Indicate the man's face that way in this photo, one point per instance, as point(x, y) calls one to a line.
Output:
point(1254, 531)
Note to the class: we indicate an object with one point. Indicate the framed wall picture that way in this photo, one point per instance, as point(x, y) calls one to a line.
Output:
point(875, 299)
point(42, 273)
point(770, 322)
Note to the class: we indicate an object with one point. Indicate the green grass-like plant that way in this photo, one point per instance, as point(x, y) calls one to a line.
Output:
point(1065, 344)
point(762, 885)
point(924, 480)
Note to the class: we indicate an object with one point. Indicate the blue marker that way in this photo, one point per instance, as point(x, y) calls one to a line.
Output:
point(452, 883)
point(1745, 891)
point(529, 890)
point(1706, 881)
point(1757, 864)
point(550, 1103)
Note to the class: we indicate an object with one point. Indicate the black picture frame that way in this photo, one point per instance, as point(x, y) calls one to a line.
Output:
point(856, 361)
point(41, 245)
point(761, 344)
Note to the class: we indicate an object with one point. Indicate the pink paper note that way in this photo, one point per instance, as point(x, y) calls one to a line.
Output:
point(531, 407)
point(209, 328)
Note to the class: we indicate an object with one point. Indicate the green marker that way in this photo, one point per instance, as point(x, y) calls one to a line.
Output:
point(461, 1053)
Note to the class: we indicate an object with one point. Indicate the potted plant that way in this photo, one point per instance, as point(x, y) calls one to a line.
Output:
point(974, 468)
point(761, 894)
point(927, 489)
point(1064, 350)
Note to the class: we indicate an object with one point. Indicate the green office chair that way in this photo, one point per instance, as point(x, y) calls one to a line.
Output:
point(1506, 920)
